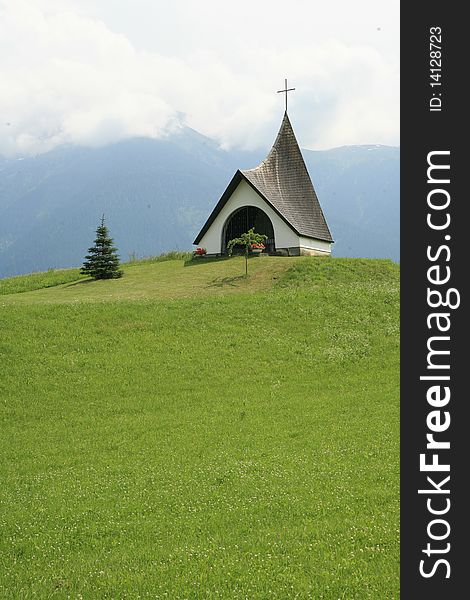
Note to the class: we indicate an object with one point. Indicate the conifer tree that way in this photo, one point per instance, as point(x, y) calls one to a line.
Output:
point(102, 261)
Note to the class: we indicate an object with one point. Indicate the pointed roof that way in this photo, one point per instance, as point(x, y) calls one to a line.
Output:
point(283, 182)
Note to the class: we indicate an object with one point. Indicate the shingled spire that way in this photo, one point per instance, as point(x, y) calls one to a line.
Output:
point(283, 180)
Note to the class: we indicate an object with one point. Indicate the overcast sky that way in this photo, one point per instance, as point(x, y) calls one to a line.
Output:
point(96, 71)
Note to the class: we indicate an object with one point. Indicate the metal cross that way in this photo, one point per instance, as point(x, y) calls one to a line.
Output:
point(285, 90)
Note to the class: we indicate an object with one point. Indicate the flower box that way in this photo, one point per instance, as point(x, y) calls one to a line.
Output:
point(257, 248)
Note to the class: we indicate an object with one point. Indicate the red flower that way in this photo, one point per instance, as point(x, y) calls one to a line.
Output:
point(200, 251)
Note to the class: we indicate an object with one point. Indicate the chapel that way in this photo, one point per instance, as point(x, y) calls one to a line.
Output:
point(277, 198)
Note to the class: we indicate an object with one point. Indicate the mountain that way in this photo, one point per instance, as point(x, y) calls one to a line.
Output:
point(156, 194)
point(359, 189)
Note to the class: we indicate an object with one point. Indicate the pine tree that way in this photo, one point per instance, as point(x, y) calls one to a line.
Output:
point(102, 261)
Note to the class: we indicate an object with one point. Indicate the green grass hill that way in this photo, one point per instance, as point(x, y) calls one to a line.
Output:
point(185, 433)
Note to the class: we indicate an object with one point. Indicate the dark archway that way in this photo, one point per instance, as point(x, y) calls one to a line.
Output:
point(243, 219)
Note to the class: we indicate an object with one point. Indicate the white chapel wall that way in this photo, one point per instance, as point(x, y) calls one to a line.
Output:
point(245, 195)
point(319, 245)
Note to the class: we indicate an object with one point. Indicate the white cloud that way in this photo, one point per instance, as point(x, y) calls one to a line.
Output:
point(79, 73)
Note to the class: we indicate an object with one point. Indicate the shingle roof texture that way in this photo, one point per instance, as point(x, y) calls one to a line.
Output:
point(282, 178)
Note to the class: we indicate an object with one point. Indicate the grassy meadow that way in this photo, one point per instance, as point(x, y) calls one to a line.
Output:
point(36, 281)
point(184, 433)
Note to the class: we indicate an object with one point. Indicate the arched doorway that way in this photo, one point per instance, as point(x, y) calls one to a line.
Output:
point(243, 219)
